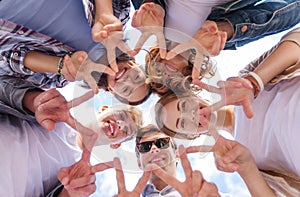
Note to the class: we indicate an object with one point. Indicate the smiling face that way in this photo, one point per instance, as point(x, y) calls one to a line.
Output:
point(181, 115)
point(163, 157)
point(117, 126)
point(129, 82)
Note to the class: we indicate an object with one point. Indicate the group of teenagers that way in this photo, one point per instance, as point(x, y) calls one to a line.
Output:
point(45, 45)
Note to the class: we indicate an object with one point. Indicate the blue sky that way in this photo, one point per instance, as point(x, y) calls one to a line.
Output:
point(228, 64)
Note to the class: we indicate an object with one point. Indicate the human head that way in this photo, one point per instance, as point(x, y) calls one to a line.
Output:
point(159, 70)
point(117, 124)
point(177, 116)
point(128, 85)
point(166, 158)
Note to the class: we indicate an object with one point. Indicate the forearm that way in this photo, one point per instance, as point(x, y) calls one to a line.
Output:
point(103, 7)
point(41, 62)
point(256, 185)
point(286, 55)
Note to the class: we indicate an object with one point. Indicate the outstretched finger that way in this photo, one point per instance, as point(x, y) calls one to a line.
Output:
point(142, 182)
point(167, 178)
point(86, 154)
point(77, 101)
point(186, 165)
point(196, 149)
point(211, 108)
point(92, 83)
point(207, 87)
point(143, 38)
point(161, 44)
point(197, 65)
point(111, 56)
point(178, 49)
point(247, 107)
point(49, 95)
point(119, 175)
point(125, 48)
point(102, 166)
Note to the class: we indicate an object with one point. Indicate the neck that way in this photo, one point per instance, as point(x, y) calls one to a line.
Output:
point(159, 184)
point(225, 119)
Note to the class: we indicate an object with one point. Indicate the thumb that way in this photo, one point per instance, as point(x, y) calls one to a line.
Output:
point(48, 124)
point(117, 26)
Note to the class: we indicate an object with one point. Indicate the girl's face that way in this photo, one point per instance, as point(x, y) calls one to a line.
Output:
point(182, 115)
point(129, 82)
point(117, 126)
point(173, 67)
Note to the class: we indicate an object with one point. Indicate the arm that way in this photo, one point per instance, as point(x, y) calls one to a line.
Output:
point(137, 3)
point(79, 179)
point(231, 156)
point(241, 18)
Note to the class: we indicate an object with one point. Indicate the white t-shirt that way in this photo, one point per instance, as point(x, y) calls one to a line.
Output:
point(187, 16)
point(273, 133)
point(32, 156)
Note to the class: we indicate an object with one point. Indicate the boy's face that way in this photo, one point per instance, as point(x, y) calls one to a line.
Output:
point(164, 156)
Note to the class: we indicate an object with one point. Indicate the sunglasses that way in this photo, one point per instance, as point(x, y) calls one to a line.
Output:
point(161, 143)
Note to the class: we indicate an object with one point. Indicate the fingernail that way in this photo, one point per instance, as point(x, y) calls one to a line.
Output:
point(64, 181)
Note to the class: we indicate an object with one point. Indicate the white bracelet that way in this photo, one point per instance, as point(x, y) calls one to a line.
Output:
point(258, 79)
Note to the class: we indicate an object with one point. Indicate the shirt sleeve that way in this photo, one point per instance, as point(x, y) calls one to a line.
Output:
point(13, 91)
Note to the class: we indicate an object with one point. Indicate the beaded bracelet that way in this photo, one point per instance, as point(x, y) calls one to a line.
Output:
point(60, 64)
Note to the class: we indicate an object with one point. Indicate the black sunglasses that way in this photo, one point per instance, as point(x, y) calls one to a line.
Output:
point(161, 143)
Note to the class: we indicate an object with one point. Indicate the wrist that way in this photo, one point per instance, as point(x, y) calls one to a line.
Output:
point(29, 100)
point(256, 82)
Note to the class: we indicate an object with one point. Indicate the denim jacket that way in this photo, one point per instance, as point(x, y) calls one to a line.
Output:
point(251, 19)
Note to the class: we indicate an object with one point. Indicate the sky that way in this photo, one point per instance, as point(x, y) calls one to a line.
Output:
point(229, 62)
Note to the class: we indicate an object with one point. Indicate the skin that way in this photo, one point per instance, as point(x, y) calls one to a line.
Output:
point(194, 184)
point(164, 158)
point(129, 82)
point(79, 179)
point(231, 156)
point(138, 189)
point(184, 117)
point(116, 126)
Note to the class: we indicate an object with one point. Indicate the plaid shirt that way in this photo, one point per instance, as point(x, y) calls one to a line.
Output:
point(16, 41)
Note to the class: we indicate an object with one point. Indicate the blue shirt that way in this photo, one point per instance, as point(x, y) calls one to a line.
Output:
point(63, 20)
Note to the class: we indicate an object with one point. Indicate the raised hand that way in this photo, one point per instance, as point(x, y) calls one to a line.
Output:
point(234, 91)
point(86, 69)
point(113, 40)
point(194, 184)
point(72, 63)
point(122, 191)
point(149, 19)
point(208, 40)
point(79, 179)
point(104, 25)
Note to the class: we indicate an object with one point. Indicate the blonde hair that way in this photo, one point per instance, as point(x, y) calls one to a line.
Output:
point(135, 112)
point(178, 83)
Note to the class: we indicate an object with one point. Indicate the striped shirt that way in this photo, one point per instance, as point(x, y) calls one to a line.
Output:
point(16, 41)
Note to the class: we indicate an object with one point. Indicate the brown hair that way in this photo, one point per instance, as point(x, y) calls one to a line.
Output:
point(149, 129)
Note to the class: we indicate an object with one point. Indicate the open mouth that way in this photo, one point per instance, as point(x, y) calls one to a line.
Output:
point(120, 73)
point(156, 160)
point(110, 129)
point(171, 68)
